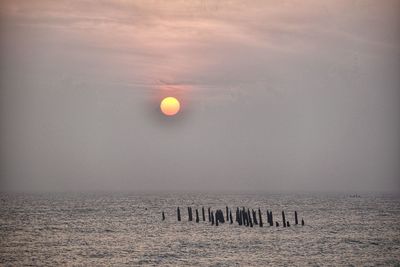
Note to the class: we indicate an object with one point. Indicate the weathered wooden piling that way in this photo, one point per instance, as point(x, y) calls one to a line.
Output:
point(271, 219)
point(230, 216)
point(302, 222)
point(276, 224)
point(219, 216)
point(227, 213)
point(283, 219)
point(202, 211)
point(178, 213)
point(254, 217)
point(212, 218)
point(287, 224)
point(240, 217)
point(190, 215)
point(250, 220)
point(163, 216)
point(209, 214)
point(295, 218)
point(197, 216)
point(260, 218)
point(245, 217)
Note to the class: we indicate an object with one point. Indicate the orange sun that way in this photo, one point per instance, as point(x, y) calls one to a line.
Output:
point(170, 106)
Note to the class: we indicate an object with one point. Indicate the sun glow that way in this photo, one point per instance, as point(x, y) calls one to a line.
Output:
point(170, 106)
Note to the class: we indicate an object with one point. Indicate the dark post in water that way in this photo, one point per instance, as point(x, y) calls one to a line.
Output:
point(178, 212)
point(295, 218)
point(283, 219)
point(190, 214)
point(271, 219)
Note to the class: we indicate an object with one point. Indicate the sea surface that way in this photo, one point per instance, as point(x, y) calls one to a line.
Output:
point(96, 229)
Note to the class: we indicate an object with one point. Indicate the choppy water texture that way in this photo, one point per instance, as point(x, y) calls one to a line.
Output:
point(126, 229)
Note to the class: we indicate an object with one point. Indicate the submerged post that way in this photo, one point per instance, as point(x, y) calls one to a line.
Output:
point(254, 217)
point(190, 215)
point(227, 213)
point(240, 217)
point(277, 224)
point(202, 211)
point(260, 218)
point(163, 216)
point(230, 216)
point(197, 216)
point(245, 217)
point(178, 212)
point(271, 219)
point(302, 222)
point(295, 218)
point(209, 214)
point(250, 220)
point(283, 219)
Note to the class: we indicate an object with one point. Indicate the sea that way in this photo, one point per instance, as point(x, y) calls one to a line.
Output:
point(127, 229)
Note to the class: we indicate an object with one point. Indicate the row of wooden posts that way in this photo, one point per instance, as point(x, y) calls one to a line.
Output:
point(243, 216)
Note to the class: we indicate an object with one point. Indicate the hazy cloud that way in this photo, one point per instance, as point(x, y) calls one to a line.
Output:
point(288, 95)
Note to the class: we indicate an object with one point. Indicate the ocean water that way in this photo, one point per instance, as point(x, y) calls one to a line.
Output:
point(95, 229)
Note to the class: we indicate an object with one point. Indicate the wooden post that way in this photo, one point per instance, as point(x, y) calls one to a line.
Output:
point(230, 216)
point(209, 214)
point(178, 212)
point(163, 216)
point(260, 218)
point(212, 218)
point(246, 218)
point(288, 224)
point(271, 219)
point(295, 218)
point(277, 224)
point(250, 220)
point(202, 211)
point(302, 222)
point(219, 216)
point(197, 216)
point(283, 219)
point(227, 213)
point(190, 214)
point(254, 217)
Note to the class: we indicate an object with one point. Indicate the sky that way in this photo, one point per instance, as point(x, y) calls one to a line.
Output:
point(275, 95)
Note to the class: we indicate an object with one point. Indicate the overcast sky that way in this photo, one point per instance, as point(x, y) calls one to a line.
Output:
point(276, 95)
